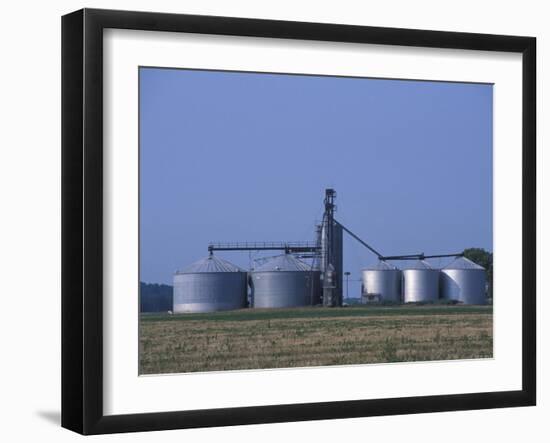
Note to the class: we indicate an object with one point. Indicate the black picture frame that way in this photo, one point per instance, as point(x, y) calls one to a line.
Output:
point(82, 215)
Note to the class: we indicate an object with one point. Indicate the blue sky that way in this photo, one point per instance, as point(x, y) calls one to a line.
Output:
point(247, 156)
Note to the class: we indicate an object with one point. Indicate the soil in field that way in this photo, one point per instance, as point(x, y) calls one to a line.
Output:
point(259, 339)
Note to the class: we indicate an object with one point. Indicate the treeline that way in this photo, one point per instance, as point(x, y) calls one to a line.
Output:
point(154, 297)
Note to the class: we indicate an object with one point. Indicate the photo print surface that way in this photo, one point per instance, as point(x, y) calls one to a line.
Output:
point(301, 221)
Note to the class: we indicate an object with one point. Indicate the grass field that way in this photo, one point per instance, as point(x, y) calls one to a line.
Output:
point(284, 338)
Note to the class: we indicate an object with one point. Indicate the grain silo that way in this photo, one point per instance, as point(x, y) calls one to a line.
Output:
point(210, 284)
point(420, 282)
point(381, 283)
point(464, 281)
point(285, 282)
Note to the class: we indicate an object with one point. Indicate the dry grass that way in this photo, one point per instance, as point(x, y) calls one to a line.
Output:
point(189, 343)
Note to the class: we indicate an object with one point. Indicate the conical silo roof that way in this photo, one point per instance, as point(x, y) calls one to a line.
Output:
point(210, 264)
point(284, 262)
point(417, 264)
point(463, 263)
point(381, 266)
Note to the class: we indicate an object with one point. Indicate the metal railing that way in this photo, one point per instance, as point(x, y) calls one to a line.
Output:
point(292, 246)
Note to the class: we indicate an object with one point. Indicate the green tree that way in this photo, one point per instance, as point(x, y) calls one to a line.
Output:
point(483, 258)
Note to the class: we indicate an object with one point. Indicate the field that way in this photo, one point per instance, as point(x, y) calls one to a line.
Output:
point(284, 338)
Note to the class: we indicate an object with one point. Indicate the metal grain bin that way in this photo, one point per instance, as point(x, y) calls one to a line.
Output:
point(381, 283)
point(420, 283)
point(464, 281)
point(210, 284)
point(285, 282)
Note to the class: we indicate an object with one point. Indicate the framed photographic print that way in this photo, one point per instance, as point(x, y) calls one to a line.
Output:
point(269, 221)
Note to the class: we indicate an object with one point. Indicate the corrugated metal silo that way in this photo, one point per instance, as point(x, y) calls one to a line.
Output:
point(210, 284)
point(284, 282)
point(464, 281)
point(381, 283)
point(420, 282)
